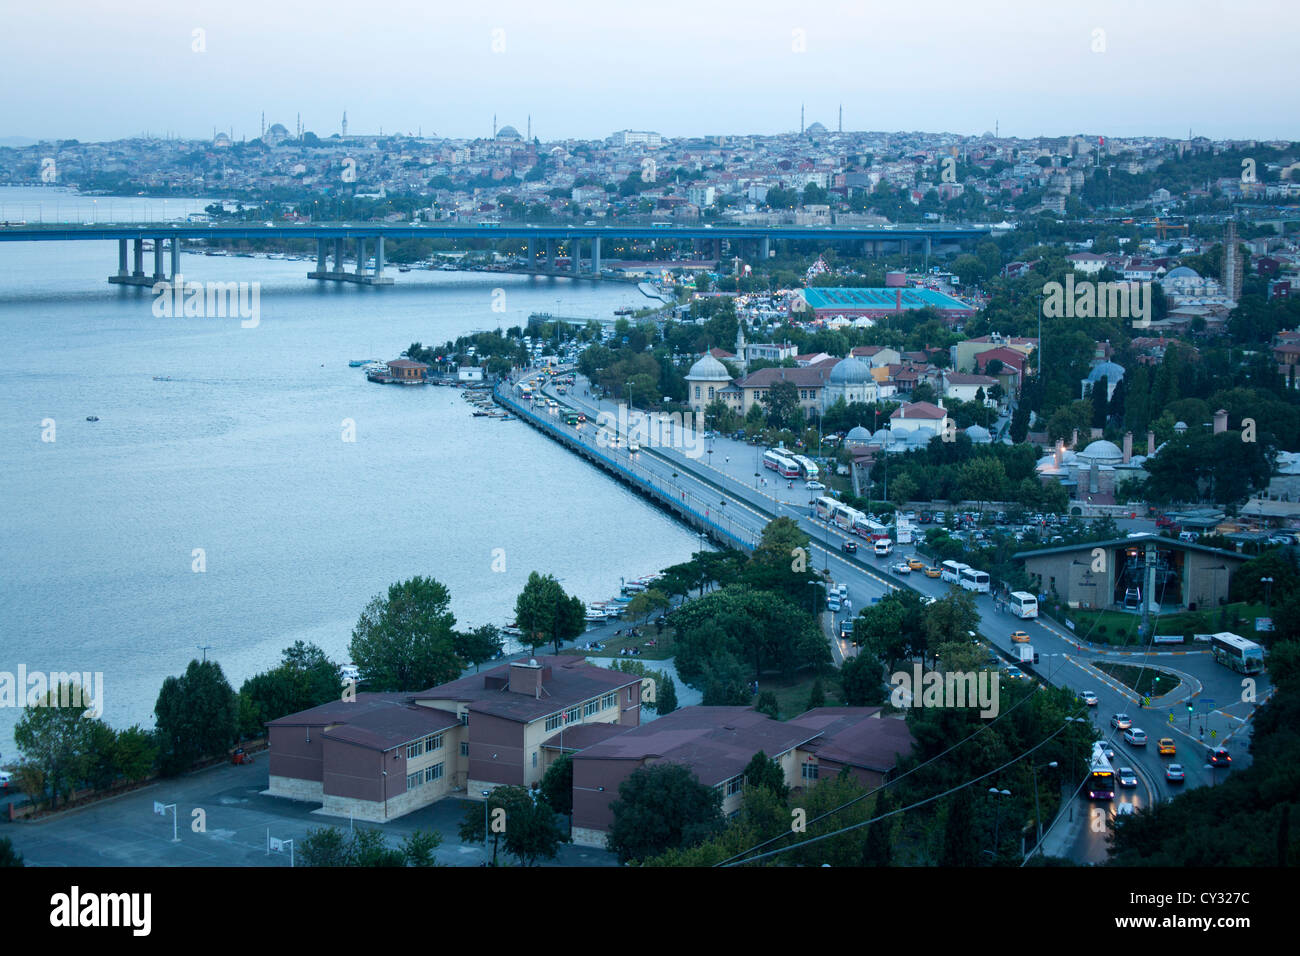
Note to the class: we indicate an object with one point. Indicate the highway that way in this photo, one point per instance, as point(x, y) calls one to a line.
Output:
point(725, 480)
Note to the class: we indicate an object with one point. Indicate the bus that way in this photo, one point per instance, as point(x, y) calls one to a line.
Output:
point(807, 468)
point(825, 507)
point(1101, 775)
point(1231, 650)
point(846, 517)
point(864, 526)
point(783, 466)
point(973, 580)
point(950, 571)
point(1023, 604)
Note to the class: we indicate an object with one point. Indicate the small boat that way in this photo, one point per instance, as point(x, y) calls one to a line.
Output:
point(92, 418)
point(596, 615)
point(403, 268)
point(163, 378)
point(358, 363)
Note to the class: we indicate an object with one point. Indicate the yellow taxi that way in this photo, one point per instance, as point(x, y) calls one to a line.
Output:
point(1019, 637)
point(1167, 748)
point(931, 572)
point(915, 563)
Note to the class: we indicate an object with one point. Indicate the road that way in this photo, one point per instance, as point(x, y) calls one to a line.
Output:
point(724, 479)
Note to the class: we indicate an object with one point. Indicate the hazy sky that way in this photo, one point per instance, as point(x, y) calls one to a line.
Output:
point(584, 69)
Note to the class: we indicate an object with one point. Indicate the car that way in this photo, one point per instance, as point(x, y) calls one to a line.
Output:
point(1174, 773)
point(833, 602)
point(5, 778)
point(932, 572)
point(902, 567)
point(1120, 721)
point(1125, 810)
point(940, 517)
point(1089, 698)
point(846, 630)
point(926, 517)
point(1019, 637)
point(1127, 778)
point(849, 547)
point(815, 486)
point(915, 563)
point(1136, 737)
point(1015, 673)
point(1167, 748)
point(1220, 758)
point(633, 448)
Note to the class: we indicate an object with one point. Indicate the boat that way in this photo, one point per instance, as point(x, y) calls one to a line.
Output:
point(596, 615)
point(358, 363)
point(163, 378)
point(92, 418)
point(403, 268)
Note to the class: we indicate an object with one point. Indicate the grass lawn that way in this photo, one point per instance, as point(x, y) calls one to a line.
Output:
point(1118, 627)
point(1141, 679)
point(663, 649)
point(792, 696)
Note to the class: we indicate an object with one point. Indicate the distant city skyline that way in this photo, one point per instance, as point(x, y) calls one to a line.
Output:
point(586, 69)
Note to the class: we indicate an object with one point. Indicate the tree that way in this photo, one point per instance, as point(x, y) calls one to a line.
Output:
point(861, 683)
point(763, 771)
point(768, 704)
point(196, 716)
point(662, 807)
point(522, 824)
point(545, 612)
point(783, 409)
point(557, 785)
point(324, 846)
point(56, 739)
point(135, 753)
point(959, 847)
point(479, 645)
point(951, 618)
point(418, 848)
point(817, 696)
point(406, 641)
point(667, 697)
point(305, 678)
point(879, 848)
point(8, 855)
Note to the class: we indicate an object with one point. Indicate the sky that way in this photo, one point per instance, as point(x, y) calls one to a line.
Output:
point(583, 69)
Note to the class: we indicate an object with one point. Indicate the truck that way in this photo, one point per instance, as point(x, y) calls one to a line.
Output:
point(1025, 654)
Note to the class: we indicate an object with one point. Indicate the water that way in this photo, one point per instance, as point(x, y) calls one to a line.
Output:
point(241, 455)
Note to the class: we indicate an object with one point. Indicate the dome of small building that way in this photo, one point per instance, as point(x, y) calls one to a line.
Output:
point(1102, 452)
point(708, 369)
point(1111, 370)
point(979, 434)
point(1180, 427)
point(858, 436)
point(851, 371)
point(1182, 272)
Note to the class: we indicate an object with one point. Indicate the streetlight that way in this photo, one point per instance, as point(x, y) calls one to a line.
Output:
point(997, 819)
point(485, 793)
point(1038, 820)
point(1268, 592)
point(204, 648)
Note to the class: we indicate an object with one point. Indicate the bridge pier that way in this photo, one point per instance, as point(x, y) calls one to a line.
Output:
point(575, 254)
point(595, 256)
point(531, 254)
point(121, 259)
point(765, 248)
point(359, 275)
point(927, 253)
point(550, 255)
point(176, 256)
point(137, 275)
point(717, 249)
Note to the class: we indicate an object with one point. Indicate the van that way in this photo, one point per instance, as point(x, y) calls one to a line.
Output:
point(1025, 654)
point(883, 548)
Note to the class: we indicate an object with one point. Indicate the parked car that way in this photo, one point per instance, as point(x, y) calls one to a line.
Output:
point(932, 572)
point(5, 779)
point(814, 486)
point(915, 563)
point(1120, 721)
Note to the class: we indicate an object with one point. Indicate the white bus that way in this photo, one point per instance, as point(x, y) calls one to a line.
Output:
point(950, 571)
point(825, 507)
point(1232, 650)
point(865, 527)
point(973, 580)
point(1101, 775)
point(846, 517)
point(807, 468)
point(1023, 604)
point(783, 466)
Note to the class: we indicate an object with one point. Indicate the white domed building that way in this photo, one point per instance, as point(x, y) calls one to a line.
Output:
point(276, 135)
point(704, 381)
point(850, 380)
point(509, 134)
point(1111, 371)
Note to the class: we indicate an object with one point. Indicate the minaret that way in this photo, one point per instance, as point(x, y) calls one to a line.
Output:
point(494, 125)
point(263, 124)
point(345, 124)
point(529, 137)
point(740, 345)
point(841, 117)
point(800, 119)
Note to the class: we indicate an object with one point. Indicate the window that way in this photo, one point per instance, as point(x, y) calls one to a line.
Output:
point(534, 758)
point(413, 780)
point(710, 391)
point(464, 748)
point(414, 750)
point(464, 719)
point(735, 785)
point(553, 722)
point(697, 391)
point(810, 771)
point(433, 773)
point(590, 707)
point(608, 701)
point(629, 695)
point(573, 714)
point(433, 743)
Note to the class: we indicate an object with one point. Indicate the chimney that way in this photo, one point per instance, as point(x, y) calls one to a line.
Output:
point(1060, 451)
point(1220, 421)
point(1092, 478)
point(1151, 442)
point(1128, 446)
point(1074, 438)
point(898, 299)
point(526, 678)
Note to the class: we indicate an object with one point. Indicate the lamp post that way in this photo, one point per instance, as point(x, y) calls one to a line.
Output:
point(1268, 593)
point(994, 792)
point(1038, 820)
point(486, 794)
point(1074, 767)
point(204, 648)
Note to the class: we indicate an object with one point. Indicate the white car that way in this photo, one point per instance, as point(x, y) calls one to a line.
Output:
point(901, 567)
point(1089, 698)
point(815, 486)
point(5, 779)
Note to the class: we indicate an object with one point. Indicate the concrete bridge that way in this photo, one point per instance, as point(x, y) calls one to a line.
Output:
point(542, 242)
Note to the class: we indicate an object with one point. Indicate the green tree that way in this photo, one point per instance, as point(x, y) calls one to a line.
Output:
point(8, 855)
point(196, 716)
point(481, 644)
point(861, 683)
point(662, 807)
point(879, 848)
point(545, 612)
point(817, 696)
point(526, 828)
point(406, 641)
point(418, 848)
point(959, 847)
point(56, 738)
point(135, 753)
point(557, 785)
point(952, 618)
point(666, 701)
point(763, 771)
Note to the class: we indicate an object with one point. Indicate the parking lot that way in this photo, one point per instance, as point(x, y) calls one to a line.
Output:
point(223, 819)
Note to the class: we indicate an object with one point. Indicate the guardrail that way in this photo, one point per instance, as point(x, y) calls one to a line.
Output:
point(644, 483)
